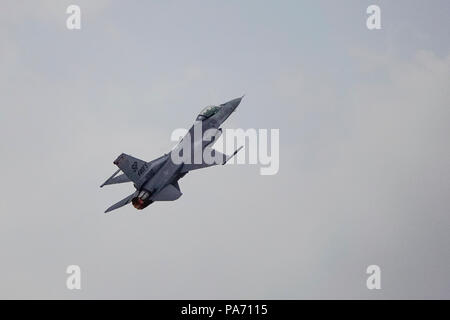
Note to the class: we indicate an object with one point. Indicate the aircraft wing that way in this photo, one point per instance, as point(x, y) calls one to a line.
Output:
point(223, 158)
point(168, 193)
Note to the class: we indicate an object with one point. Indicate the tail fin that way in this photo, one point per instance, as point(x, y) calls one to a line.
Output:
point(132, 167)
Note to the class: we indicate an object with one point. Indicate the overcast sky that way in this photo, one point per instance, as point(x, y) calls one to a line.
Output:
point(364, 125)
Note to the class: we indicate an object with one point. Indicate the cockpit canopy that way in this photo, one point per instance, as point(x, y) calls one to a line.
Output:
point(207, 112)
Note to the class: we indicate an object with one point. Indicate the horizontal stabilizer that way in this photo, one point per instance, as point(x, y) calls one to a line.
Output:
point(113, 179)
point(168, 193)
point(121, 203)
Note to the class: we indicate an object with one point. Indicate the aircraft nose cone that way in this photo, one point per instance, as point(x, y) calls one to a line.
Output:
point(235, 102)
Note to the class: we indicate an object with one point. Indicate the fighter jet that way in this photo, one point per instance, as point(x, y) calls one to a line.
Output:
point(157, 180)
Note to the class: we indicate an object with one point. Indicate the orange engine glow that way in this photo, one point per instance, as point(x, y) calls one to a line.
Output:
point(138, 203)
point(142, 200)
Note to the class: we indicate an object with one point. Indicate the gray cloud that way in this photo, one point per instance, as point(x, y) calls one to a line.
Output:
point(364, 158)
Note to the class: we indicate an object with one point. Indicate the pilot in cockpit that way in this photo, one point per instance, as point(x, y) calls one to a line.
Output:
point(207, 112)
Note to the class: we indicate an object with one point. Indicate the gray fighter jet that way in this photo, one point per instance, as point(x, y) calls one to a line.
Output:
point(157, 180)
